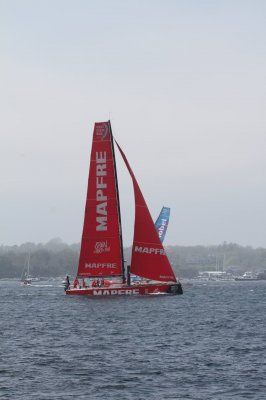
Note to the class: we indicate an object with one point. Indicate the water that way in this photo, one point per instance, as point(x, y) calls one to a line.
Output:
point(207, 344)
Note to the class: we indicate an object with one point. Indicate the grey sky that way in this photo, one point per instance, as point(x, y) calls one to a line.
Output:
point(183, 83)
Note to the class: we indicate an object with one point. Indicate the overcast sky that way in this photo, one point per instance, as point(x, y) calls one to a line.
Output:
point(183, 83)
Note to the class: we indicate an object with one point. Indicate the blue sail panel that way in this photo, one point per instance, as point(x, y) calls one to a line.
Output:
point(162, 222)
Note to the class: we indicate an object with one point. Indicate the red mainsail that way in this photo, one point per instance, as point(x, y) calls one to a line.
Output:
point(149, 259)
point(101, 251)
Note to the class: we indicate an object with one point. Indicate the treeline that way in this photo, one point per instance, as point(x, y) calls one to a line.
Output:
point(188, 261)
point(52, 259)
point(56, 258)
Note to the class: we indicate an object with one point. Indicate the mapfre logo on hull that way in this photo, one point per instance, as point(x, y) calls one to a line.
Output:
point(115, 292)
point(101, 247)
point(100, 265)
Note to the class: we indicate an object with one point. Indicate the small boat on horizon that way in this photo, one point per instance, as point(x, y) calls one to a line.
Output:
point(101, 268)
point(251, 276)
point(26, 278)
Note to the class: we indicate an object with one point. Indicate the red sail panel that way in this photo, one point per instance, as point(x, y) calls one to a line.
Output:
point(100, 253)
point(149, 259)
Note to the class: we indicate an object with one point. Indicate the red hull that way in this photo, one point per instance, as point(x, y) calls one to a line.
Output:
point(124, 290)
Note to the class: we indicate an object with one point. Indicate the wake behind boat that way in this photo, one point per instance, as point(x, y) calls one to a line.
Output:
point(101, 269)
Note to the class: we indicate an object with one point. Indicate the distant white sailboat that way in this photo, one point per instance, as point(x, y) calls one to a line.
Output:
point(26, 278)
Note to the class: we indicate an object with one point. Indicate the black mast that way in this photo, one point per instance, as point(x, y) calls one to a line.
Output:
point(118, 204)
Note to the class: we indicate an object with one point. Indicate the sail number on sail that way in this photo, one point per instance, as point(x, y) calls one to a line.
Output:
point(101, 198)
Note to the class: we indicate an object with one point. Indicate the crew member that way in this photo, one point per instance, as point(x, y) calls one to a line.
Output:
point(76, 283)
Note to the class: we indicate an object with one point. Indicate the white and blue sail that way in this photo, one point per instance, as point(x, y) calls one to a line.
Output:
point(162, 221)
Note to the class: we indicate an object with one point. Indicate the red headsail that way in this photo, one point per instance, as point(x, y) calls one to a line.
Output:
point(148, 255)
point(101, 244)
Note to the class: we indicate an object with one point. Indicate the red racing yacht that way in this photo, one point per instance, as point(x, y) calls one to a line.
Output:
point(101, 268)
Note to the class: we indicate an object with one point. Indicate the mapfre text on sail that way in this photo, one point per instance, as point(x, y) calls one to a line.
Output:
point(101, 186)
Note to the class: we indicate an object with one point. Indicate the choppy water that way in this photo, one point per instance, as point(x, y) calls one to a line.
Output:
point(207, 344)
